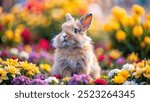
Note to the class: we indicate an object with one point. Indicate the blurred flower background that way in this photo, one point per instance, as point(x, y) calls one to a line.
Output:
point(120, 31)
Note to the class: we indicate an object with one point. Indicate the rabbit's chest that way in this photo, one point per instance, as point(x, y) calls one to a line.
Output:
point(75, 60)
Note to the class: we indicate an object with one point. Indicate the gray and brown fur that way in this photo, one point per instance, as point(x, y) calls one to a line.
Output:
point(74, 52)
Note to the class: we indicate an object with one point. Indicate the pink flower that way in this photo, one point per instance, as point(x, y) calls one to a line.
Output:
point(44, 44)
point(101, 58)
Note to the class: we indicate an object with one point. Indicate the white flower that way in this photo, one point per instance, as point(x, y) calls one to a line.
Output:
point(128, 67)
point(23, 54)
point(130, 83)
point(112, 72)
point(14, 51)
point(52, 79)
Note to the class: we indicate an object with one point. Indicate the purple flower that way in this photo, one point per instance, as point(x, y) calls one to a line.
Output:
point(121, 60)
point(34, 57)
point(79, 79)
point(21, 80)
point(38, 82)
point(40, 76)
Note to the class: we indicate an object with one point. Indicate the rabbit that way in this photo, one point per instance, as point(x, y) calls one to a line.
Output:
point(74, 52)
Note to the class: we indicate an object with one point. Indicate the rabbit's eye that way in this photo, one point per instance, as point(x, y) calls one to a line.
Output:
point(75, 30)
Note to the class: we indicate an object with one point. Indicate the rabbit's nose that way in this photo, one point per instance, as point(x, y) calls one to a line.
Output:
point(64, 35)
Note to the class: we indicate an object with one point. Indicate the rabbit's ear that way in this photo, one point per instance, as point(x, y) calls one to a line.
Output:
point(86, 21)
point(69, 17)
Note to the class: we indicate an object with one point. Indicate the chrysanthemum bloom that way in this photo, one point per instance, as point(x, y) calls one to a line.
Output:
point(21, 80)
point(12, 62)
point(38, 82)
point(138, 10)
point(79, 79)
point(40, 76)
point(25, 65)
point(2, 75)
point(120, 35)
point(12, 70)
point(137, 30)
point(119, 79)
point(100, 82)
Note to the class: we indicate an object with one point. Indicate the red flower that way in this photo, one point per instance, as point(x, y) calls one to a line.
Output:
point(26, 35)
point(1, 27)
point(57, 76)
point(100, 82)
point(44, 44)
point(101, 58)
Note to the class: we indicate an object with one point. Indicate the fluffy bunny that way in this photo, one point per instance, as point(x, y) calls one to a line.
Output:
point(74, 51)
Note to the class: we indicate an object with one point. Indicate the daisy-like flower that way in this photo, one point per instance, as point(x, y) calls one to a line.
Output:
point(2, 75)
point(112, 72)
point(12, 70)
point(52, 80)
point(25, 65)
point(12, 62)
point(128, 67)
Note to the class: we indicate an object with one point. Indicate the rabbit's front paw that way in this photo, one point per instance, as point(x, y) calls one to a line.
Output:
point(67, 72)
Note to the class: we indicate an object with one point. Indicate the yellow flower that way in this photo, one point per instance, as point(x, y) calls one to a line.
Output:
point(147, 72)
point(140, 64)
point(107, 27)
point(124, 73)
point(99, 51)
point(28, 48)
point(139, 72)
point(9, 34)
point(12, 70)
point(147, 40)
point(136, 18)
point(34, 70)
point(127, 21)
point(137, 31)
point(148, 16)
point(66, 79)
point(115, 54)
point(147, 24)
point(115, 25)
point(138, 10)
point(25, 66)
point(132, 57)
point(2, 75)
point(12, 62)
point(8, 19)
point(45, 67)
point(17, 35)
point(120, 35)
point(118, 12)
point(119, 79)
